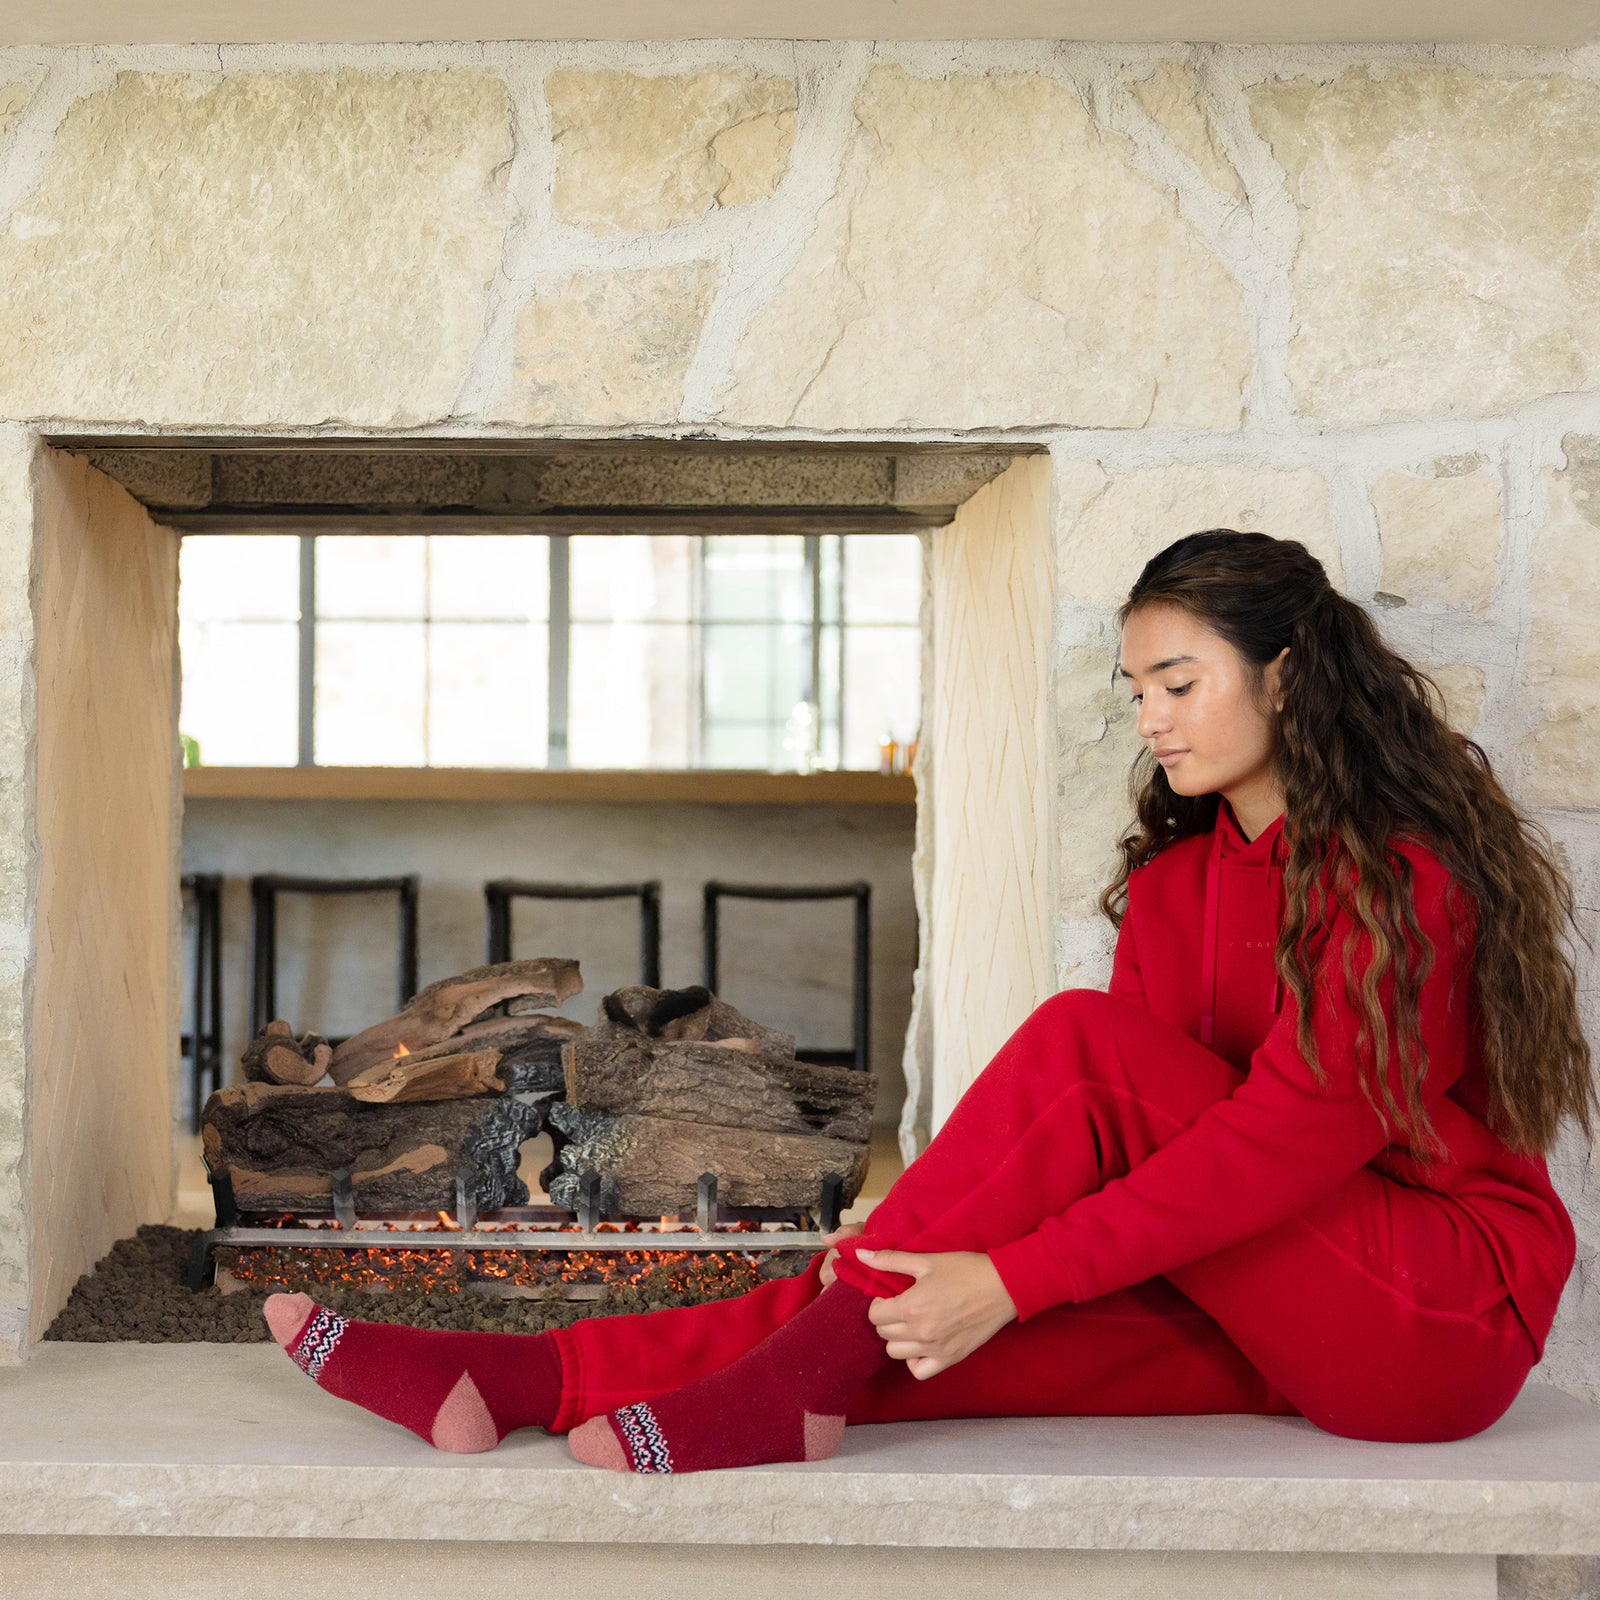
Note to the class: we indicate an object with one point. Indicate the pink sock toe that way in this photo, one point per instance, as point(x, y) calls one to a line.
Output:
point(286, 1315)
point(463, 1424)
point(823, 1436)
point(596, 1444)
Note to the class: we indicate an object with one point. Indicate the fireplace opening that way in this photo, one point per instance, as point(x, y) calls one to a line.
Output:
point(678, 794)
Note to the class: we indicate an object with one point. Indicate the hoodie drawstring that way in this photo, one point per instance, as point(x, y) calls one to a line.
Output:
point(1213, 930)
point(1208, 960)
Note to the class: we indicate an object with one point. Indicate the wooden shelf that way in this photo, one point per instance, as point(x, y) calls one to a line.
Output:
point(485, 784)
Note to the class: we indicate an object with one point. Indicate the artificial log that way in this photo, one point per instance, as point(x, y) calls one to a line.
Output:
point(276, 1056)
point(693, 1013)
point(721, 1084)
point(446, 1007)
point(444, 1077)
point(654, 1163)
point(280, 1144)
point(530, 1049)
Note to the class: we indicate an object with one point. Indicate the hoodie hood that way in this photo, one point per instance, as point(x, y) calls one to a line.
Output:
point(1244, 908)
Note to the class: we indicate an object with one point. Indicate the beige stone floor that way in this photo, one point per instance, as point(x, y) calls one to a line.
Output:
point(194, 1209)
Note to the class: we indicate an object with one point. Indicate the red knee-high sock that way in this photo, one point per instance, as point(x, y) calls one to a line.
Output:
point(460, 1391)
point(782, 1401)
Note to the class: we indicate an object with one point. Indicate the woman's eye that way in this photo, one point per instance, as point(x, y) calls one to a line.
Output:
point(1183, 688)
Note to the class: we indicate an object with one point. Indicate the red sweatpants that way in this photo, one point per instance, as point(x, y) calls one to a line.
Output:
point(1379, 1312)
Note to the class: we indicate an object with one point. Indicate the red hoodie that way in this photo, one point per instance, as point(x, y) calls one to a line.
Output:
point(1281, 1140)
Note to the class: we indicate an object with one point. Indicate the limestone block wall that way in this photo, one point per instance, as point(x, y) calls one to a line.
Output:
point(989, 928)
point(103, 1022)
point(1344, 293)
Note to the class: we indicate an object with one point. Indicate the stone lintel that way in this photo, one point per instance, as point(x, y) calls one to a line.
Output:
point(193, 485)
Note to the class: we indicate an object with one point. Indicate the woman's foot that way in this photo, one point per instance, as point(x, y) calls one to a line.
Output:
point(462, 1392)
point(785, 1400)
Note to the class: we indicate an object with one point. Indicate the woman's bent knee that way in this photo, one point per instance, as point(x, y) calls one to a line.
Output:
point(1073, 1005)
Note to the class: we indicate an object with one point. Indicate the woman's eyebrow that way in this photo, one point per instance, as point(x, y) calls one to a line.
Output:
point(1157, 666)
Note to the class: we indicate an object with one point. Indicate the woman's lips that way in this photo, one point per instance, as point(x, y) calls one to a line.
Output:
point(1171, 756)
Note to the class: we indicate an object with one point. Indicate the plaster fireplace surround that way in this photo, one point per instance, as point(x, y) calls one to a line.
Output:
point(1074, 301)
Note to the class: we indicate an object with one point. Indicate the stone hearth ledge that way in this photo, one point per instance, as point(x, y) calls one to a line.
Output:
point(218, 1440)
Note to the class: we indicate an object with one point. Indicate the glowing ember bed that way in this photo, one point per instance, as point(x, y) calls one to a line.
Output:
point(516, 1249)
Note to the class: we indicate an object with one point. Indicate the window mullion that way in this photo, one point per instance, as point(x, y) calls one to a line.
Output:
point(814, 661)
point(843, 580)
point(560, 647)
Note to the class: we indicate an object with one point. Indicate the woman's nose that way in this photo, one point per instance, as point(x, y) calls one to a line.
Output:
point(1151, 722)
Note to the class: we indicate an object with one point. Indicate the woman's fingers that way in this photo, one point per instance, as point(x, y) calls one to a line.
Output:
point(921, 1362)
point(906, 1261)
point(901, 1349)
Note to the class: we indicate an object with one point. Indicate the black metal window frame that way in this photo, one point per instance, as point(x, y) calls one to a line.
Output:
point(560, 620)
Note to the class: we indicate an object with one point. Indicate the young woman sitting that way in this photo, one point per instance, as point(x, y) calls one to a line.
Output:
point(1291, 1163)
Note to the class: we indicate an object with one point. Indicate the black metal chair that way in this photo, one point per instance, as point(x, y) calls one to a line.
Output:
point(716, 892)
point(264, 891)
point(500, 893)
point(203, 1046)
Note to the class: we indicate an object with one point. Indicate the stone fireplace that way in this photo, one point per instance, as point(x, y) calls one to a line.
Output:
point(106, 1102)
point(1315, 292)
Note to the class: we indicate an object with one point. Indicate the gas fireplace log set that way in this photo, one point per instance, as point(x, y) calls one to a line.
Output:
point(673, 1104)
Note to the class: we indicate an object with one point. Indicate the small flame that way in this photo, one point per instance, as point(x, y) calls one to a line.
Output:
point(402, 1051)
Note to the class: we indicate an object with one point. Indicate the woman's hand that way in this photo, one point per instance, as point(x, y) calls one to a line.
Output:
point(845, 1230)
point(957, 1303)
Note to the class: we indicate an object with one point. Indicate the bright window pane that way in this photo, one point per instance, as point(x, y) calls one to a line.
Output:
point(754, 671)
point(631, 577)
point(882, 577)
point(628, 694)
point(488, 695)
point(830, 553)
point(370, 680)
point(371, 575)
point(756, 578)
point(241, 691)
point(881, 694)
point(494, 576)
point(227, 577)
point(831, 650)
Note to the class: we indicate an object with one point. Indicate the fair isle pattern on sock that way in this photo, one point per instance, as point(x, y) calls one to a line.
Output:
point(317, 1343)
point(642, 1434)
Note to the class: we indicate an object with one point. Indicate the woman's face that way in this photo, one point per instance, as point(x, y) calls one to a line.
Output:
point(1191, 690)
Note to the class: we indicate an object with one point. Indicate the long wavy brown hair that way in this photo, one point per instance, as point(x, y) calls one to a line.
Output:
point(1365, 757)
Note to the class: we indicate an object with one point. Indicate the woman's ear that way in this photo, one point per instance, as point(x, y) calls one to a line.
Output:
point(1275, 679)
